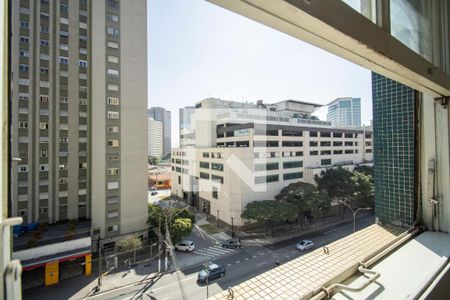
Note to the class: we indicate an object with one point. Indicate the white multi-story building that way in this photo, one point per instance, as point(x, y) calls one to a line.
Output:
point(155, 138)
point(345, 112)
point(246, 152)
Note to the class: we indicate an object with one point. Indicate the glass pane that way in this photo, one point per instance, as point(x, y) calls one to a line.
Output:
point(365, 7)
point(422, 26)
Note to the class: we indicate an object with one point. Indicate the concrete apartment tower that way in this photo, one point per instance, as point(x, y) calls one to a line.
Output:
point(345, 112)
point(162, 115)
point(79, 94)
point(155, 138)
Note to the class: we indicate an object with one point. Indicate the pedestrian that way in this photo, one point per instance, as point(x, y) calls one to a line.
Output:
point(277, 263)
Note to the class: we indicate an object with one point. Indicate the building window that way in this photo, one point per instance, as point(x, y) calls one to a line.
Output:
point(313, 133)
point(292, 164)
point(205, 154)
point(112, 18)
point(113, 87)
point(216, 166)
point(64, 100)
point(44, 28)
point(83, 51)
point(64, 139)
point(24, 10)
point(43, 70)
point(24, 81)
point(82, 63)
point(113, 59)
point(112, 101)
point(24, 24)
point(43, 112)
point(325, 162)
point(113, 185)
point(23, 124)
point(113, 214)
point(215, 193)
point(43, 153)
point(44, 43)
point(113, 3)
point(63, 60)
point(312, 153)
point(43, 167)
point(23, 53)
point(292, 144)
point(113, 115)
point(113, 171)
point(290, 176)
point(113, 228)
point(43, 139)
point(113, 143)
point(204, 165)
point(23, 68)
point(43, 125)
point(204, 175)
point(113, 45)
point(217, 178)
point(22, 168)
point(43, 210)
point(266, 179)
point(325, 144)
point(349, 151)
point(82, 165)
point(112, 73)
point(24, 39)
point(64, 8)
point(112, 31)
point(267, 166)
point(113, 129)
point(44, 84)
point(64, 47)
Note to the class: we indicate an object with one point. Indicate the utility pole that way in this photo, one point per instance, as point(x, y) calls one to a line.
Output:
point(218, 219)
point(159, 245)
point(232, 227)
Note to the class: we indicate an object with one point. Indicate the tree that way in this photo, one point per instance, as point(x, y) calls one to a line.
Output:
point(157, 217)
point(153, 160)
point(363, 190)
point(180, 227)
point(367, 170)
point(130, 244)
point(270, 211)
point(306, 197)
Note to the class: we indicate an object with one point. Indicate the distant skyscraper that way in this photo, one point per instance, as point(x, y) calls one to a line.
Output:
point(394, 137)
point(155, 138)
point(345, 112)
point(164, 116)
point(186, 131)
point(79, 88)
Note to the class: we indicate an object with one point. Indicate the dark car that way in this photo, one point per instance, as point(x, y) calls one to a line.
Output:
point(154, 193)
point(232, 243)
point(212, 271)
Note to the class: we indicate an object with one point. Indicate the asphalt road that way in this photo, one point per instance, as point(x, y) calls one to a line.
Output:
point(240, 265)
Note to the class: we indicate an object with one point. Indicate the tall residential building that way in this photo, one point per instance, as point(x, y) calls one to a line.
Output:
point(155, 138)
point(187, 134)
point(162, 115)
point(345, 112)
point(79, 88)
point(247, 152)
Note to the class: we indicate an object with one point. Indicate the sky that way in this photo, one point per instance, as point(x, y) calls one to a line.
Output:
point(198, 50)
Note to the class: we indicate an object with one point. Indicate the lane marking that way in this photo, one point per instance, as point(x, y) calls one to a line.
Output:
point(246, 258)
point(237, 262)
point(228, 265)
point(258, 265)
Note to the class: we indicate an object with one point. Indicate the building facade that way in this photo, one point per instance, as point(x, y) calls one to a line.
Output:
point(248, 152)
point(187, 134)
point(164, 116)
point(155, 138)
point(79, 84)
point(345, 112)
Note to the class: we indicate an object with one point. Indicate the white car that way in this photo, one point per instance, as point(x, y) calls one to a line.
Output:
point(304, 245)
point(187, 246)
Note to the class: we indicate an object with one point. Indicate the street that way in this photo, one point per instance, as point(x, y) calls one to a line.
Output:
point(241, 264)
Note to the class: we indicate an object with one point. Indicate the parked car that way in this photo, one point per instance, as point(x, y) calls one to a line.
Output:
point(212, 271)
point(153, 188)
point(187, 246)
point(232, 243)
point(304, 245)
point(154, 193)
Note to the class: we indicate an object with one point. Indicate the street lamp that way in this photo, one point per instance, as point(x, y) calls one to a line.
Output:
point(218, 219)
point(232, 227)
point(354, 212)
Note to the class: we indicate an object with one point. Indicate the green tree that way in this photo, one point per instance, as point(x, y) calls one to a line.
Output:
point(130, 244)
point(363, 190)
point(270, 211)
point(153, 160)
point(157, 216)
point(306, 197)
point(180, 227)
point(367, 170)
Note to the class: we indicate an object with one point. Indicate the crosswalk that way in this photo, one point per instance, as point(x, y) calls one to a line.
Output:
point(214, 251)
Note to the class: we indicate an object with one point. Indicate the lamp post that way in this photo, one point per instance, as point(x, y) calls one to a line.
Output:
point(354, 212)
point(232, 227)
point(218, 219)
